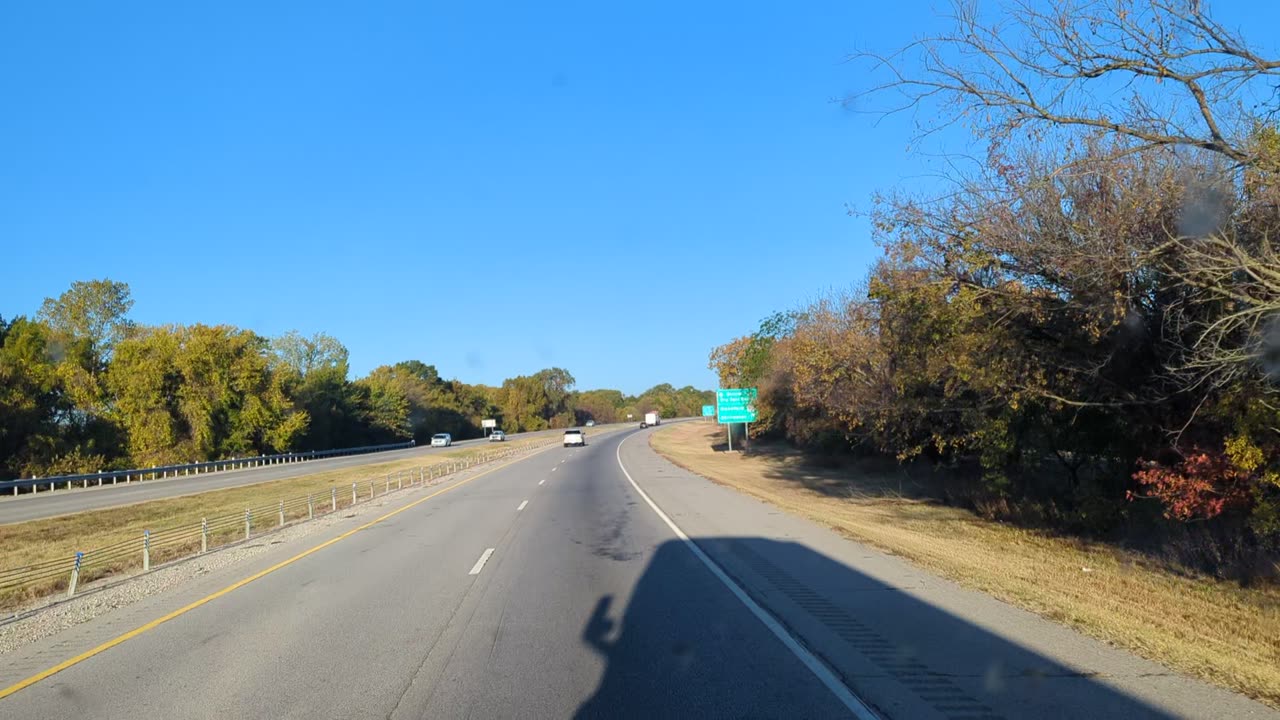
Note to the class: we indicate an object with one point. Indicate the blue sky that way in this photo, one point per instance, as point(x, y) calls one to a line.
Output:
point(490, 188)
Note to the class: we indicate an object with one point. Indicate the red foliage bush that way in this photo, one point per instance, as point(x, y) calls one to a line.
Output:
point(1203, 486)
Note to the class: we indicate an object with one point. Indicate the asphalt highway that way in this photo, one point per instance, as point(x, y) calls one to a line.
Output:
point(599, 582)
point(35, 506)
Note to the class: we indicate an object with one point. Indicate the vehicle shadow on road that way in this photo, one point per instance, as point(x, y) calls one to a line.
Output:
point(685, 646)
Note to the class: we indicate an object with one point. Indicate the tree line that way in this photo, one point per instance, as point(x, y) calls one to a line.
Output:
point(83, 388)
point(1085, 324)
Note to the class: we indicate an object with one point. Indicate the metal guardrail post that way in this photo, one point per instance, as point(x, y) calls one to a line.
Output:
point(204, 535)
point(247, 526)
point(146, 550)
point(333, 499)
point(282, 513)
point(353, 494)
point(75, 575)
point(311, 509)
point(399, 481)
point(370, 489)
point(386, 488)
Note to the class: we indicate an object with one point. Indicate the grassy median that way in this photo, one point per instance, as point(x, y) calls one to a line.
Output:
point(59, 538)
point(1215, 630)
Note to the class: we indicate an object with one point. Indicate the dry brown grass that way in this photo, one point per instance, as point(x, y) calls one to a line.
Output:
point(58, 538)
point(1215, 630)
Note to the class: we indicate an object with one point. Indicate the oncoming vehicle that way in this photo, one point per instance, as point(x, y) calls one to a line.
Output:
point(441, 440)
point(591, 423)
point(497, 436)
point(574, 437)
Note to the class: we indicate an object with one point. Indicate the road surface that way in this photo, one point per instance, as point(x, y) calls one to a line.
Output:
point(562, 586)
point(35, 506)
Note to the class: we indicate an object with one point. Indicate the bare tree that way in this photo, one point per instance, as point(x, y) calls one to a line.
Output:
point(1131, 77)
point(1240, 282)
point(1156, 72)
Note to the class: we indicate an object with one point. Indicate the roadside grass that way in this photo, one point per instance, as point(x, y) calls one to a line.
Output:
point(112, 537)
point(1215, 630)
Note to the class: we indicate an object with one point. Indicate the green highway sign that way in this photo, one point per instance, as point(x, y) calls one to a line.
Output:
point(708, 411)
point(736, 405)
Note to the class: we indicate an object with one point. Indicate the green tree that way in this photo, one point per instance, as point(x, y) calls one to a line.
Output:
point(31, 406)
point(602, 406)
point(387, 408)
point(317, 376)
point(94, 311)
point(306, 355)
point(538, 401)
point(200, 392)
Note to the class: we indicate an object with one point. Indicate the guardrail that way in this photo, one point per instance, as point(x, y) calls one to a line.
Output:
point(153, 548)
point(114, 476)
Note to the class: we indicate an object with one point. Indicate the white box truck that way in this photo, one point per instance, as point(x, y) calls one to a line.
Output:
point(651, 419)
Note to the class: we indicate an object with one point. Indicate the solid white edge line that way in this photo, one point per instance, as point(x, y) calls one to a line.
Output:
point(484, 558)
point(522, 506)
point(808, 659)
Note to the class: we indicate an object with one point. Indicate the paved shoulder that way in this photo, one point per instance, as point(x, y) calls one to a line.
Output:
point(908, 642)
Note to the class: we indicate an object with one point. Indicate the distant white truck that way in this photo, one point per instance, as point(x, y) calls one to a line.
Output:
point(650, 419)
point(574, 438)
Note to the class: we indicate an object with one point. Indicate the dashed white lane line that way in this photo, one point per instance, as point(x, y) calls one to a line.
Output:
point(484, 558)
point(542, 481)
point(522, 505)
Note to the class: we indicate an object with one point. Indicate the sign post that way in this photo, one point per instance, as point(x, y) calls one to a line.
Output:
point(736, 405)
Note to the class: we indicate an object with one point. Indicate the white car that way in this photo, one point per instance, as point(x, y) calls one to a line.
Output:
point(574, 437)
point(441, 440)
point(497, 436)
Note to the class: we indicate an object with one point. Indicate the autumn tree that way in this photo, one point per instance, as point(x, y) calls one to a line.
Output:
point(538, 401)
point(34, 411)
point(198, 392)
point(316, 371)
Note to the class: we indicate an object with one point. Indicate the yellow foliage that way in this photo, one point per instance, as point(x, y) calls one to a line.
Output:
point(1244, 454)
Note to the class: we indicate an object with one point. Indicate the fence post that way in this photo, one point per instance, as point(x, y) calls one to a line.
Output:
point(399, 481)
point(353, 494)
point(422, 478)
point(370, 489)
point(282, 513)
point(204, 535)
point(75, 575)
point(386, 488)
point(333, 499)
point(311, 510)
point(246, 523)
point(146, 550)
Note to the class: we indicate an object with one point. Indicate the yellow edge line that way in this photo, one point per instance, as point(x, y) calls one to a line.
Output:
point(230, 588)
